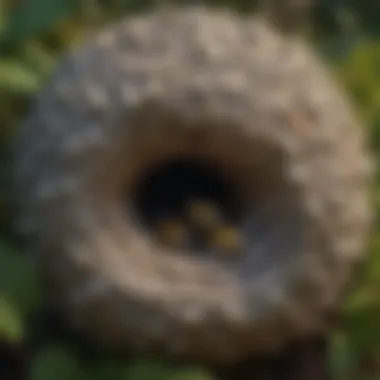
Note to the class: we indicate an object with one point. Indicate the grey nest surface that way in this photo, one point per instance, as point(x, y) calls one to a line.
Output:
point(232, 95)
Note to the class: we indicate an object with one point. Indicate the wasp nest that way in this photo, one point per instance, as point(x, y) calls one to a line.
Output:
point(194, 184)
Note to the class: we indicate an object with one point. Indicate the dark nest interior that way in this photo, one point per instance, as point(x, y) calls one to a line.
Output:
point(186, 202)
point(192, 203)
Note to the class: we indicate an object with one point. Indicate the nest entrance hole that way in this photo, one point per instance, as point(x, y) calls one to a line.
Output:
point(200, 190)
point(167, 187)
point(186, 202)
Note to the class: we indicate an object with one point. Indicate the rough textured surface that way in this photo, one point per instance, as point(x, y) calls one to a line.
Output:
point(229, 89)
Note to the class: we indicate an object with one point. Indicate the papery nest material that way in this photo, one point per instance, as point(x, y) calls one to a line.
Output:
point(212, 86)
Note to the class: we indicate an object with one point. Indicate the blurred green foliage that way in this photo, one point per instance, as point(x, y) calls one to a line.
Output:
point(34, 34)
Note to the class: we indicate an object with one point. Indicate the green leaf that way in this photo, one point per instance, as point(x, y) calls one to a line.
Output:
point(38, 58)
point(341, 357)
point(32, 17)
point(11, 326)
point(144, 369)
point(191, 374)
point(56, 363)
point(147, 370)
point(16, 77)
point(19, 279)
point(109, 369)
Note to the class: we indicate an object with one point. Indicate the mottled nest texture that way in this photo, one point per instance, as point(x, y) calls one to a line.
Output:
point(229, 92)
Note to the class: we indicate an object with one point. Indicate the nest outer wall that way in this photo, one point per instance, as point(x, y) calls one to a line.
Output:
point(229, 89)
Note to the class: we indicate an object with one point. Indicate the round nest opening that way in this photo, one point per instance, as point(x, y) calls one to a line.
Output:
point(182, 202)
point(202, 201)
point(202, 193)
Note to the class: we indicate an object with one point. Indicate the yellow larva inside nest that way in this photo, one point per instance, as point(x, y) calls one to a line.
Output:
point(169, 117)
point(184, 204)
